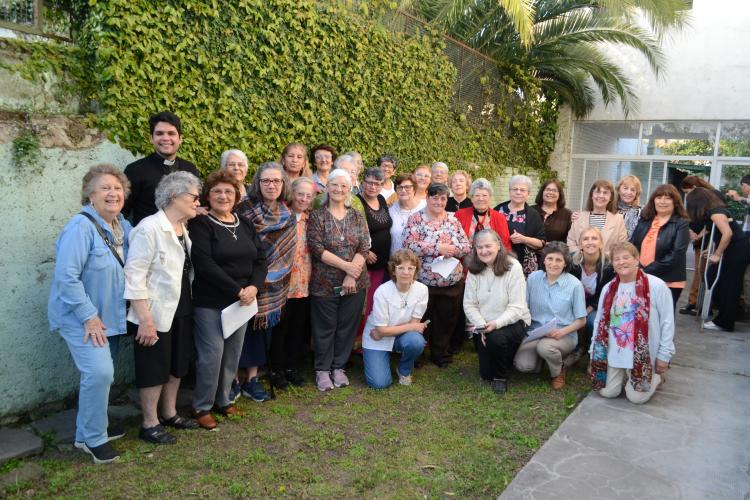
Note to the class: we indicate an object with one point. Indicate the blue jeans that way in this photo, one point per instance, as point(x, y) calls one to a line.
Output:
point(585, 342)
point(377, 363)
point(97, 373)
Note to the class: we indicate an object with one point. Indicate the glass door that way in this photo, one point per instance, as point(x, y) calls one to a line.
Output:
point(729, 174)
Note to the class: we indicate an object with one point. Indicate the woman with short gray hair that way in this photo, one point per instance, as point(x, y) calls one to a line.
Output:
point(480, 216)
point(158, 274)
point(379, 224)
point(86, 301)
point(525, 225)
point(235, 162)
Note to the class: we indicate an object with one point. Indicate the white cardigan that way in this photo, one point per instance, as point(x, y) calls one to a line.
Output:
point(500, 299)
point(660, 320)
point(153, 270)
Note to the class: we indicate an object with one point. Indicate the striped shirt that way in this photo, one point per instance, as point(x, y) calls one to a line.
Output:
point(563, 300)
point(597, 220)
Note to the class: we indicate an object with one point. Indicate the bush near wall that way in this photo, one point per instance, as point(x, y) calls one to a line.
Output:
point(257, 74)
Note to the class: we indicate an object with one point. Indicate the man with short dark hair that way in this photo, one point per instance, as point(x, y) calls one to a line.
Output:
point(144, 174)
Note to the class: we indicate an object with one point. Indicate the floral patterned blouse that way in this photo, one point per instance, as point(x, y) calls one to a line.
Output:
point(422, 235)
point(344, 238)
point(300, 276)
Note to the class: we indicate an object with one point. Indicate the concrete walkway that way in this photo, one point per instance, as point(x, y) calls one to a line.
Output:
point(691, 441)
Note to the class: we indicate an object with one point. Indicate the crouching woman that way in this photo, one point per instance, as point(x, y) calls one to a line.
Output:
point(395, 323)
point(633, 331)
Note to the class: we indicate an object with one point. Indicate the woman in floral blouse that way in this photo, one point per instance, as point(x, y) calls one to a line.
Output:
point(339, 243)
point(436, 237)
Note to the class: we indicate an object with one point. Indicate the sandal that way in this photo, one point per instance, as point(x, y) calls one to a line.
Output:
point(156, 435)
point(179, 422)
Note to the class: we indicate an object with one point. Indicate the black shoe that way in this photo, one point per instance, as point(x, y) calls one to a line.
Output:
point(113, 432)
point(102, 454)
point(178, 422)
point(294, 378)
point(689, 309)
point(156, 435)
point(499, 385)
point(278, 380)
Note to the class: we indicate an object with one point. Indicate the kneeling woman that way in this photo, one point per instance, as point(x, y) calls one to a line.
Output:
point(553, 295)
point(495, 302)
point(634, 329)
point(395, 323)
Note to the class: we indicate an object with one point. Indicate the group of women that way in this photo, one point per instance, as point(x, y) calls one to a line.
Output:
point(389, 259)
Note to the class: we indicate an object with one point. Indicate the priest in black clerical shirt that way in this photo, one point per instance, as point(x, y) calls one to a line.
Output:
point(145, 174)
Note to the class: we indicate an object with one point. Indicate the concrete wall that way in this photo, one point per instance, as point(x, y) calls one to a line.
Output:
point(707, 69)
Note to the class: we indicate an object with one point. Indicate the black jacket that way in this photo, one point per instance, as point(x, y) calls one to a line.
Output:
point(602, 278)
point(671, 246)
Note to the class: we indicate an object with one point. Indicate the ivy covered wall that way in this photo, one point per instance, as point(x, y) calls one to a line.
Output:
point(257, 74)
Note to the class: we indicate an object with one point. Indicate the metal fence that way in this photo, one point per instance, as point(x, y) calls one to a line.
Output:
point(477, 88)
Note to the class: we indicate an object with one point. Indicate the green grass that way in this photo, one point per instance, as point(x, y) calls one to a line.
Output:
point(446, 435)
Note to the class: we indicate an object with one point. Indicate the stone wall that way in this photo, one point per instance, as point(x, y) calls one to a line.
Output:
point(35, 203)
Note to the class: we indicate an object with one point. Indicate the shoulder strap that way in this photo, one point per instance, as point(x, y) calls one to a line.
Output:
point(104, 236)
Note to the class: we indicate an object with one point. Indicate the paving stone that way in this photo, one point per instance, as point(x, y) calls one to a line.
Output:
point(689, 442)
point(123, 412)
point(18, 443)
point(29, 471)
point(62, 425)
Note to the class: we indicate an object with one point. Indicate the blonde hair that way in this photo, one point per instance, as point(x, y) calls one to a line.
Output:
point(635, 181)
point(624, 246)
point(603, 256)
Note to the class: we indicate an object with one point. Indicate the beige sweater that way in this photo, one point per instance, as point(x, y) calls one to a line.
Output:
point(614, 230)
point(501, 299)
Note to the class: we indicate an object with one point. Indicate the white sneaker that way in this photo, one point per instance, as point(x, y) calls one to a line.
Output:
point(404, 379)
point(710, 325)
point(339, 378)
point(323, 381)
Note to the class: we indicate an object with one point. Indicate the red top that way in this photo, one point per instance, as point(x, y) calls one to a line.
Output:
point(497, 223)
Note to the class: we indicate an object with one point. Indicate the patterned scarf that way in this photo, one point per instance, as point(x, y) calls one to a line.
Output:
point(277, 230)
point(640, 375)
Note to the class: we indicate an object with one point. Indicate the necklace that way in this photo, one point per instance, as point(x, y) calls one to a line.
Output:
point(404, 298)
point(338, 229)
point(231, 227)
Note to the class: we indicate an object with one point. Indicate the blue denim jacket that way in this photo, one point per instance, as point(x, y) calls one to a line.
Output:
point(88, 279)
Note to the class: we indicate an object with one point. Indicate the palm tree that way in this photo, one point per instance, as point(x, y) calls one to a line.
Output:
point(562, 42)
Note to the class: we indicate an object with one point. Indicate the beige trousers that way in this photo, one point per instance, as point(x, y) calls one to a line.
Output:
point(617, 377)
point(530, 355)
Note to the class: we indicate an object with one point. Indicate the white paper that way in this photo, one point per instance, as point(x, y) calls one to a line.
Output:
point(384, 344)
point(541, 331)
point(236, 315)
point(444, 266)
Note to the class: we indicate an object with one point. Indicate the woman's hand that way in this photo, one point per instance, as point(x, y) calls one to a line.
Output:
point(491, 326)
point(247, 295)
point(418, 327)
point(201, 210)
point(349, 285)
point(574, 216)
point(375, 334)
point(446, 249)
point(352, 269)
point(146, 335)
point(661, 367)
point(371, 258)
point(94, 329)
point(517, 238)
point(557, 334)
point(714, 258)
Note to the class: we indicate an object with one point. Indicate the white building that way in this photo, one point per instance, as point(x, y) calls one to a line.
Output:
point(692, 119)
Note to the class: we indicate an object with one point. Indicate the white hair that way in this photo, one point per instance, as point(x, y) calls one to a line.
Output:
point(231, 152)
point(481, 183)
point(438, 165)
point(335, 174)
point(520, 179)
point(345, 158)
point(173, 185)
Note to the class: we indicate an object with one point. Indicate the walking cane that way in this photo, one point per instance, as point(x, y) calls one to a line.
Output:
point(706, 304)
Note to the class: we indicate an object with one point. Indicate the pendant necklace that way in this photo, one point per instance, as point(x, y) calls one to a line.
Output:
point(404, 298)
point(231, 227)
point(338, 229)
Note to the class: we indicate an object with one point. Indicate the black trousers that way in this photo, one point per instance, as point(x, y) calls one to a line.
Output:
point(728, 289)
point(496, 358)
point(291, 337)
point(443, 308)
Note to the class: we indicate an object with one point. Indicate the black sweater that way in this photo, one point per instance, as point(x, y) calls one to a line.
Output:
point(144, 175)
point(222, 264)
point(602, 278)
point(671, 247)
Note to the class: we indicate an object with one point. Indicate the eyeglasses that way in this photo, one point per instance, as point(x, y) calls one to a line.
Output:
point(402, 269)
point(519, 189)
point(303, 196)
point(323, 158)
point(221, 191)
point(236, 164)
point(552, 190)
point(422, 176)
point(373, 183)
point(404, 187)
point(268, 182)
point(195, 197)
